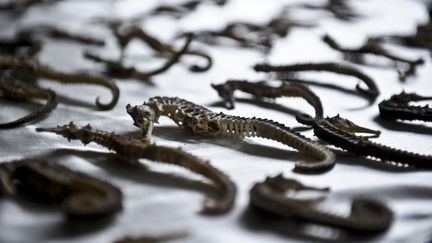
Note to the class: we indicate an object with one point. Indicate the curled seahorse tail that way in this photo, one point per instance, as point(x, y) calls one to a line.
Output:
point(174, 58)
point(279, 132)
point(50, 106)
point(372, 89)
point(77, 78)
point(367, 215)
point(197, 68)
point(115, 96)
point(226, 188)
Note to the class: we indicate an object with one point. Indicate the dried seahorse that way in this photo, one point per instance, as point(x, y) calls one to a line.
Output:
point(233, 31)
point(250, 35)
point(341, 133)
point(81, 196)
point(117, 69)
point(261, 90)
point(340, 9)
point(57, 33)
point(373, 47)
point(125, 34)
point(42, 71)
point(20, 46)
point(181, 9)
point(204, 122)
point(397, 107)
point(275, 195)
point(417, 40)
point(151, 239)
point(176, 10)
point(15, 90)
point(132, 148)
point(286, 70)
point(21, 6)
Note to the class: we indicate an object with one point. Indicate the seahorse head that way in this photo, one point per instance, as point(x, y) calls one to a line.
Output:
point(226, 93)
point(348, 126)
point(143, 116)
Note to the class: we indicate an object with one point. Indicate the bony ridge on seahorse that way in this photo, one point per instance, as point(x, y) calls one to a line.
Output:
point(204, 122)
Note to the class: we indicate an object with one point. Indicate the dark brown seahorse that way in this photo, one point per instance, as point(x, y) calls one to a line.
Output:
point(176, 10)
point(16, 90)
point(374, 47)
point(398, 107)
point(340, 9)
point(285, 71)
point(81, 196)
point(21, 6)
point(251, 35)
point(151, 239)
point(58, 33)
point(20, 46)
point(181, 9)
point(118, 70)
point(38, 70)
point(341, 133)
point(125, 34)
point(133, 148)
point(262, 90)
point(275, 195)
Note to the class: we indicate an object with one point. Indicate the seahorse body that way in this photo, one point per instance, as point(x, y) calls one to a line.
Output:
point(204, 122)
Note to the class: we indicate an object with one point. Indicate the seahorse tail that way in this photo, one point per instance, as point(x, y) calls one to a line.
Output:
point(50, 105)
point(77, 78)
point(178, 157)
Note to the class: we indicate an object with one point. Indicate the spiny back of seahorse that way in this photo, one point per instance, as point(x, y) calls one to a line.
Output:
point(190, 108)
point(262, 122)
point(265, 128)
point(180, 103)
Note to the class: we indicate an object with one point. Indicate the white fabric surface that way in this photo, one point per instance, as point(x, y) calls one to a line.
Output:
point(162, 199)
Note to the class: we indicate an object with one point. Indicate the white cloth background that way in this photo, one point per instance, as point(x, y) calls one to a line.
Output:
point(162, 199)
